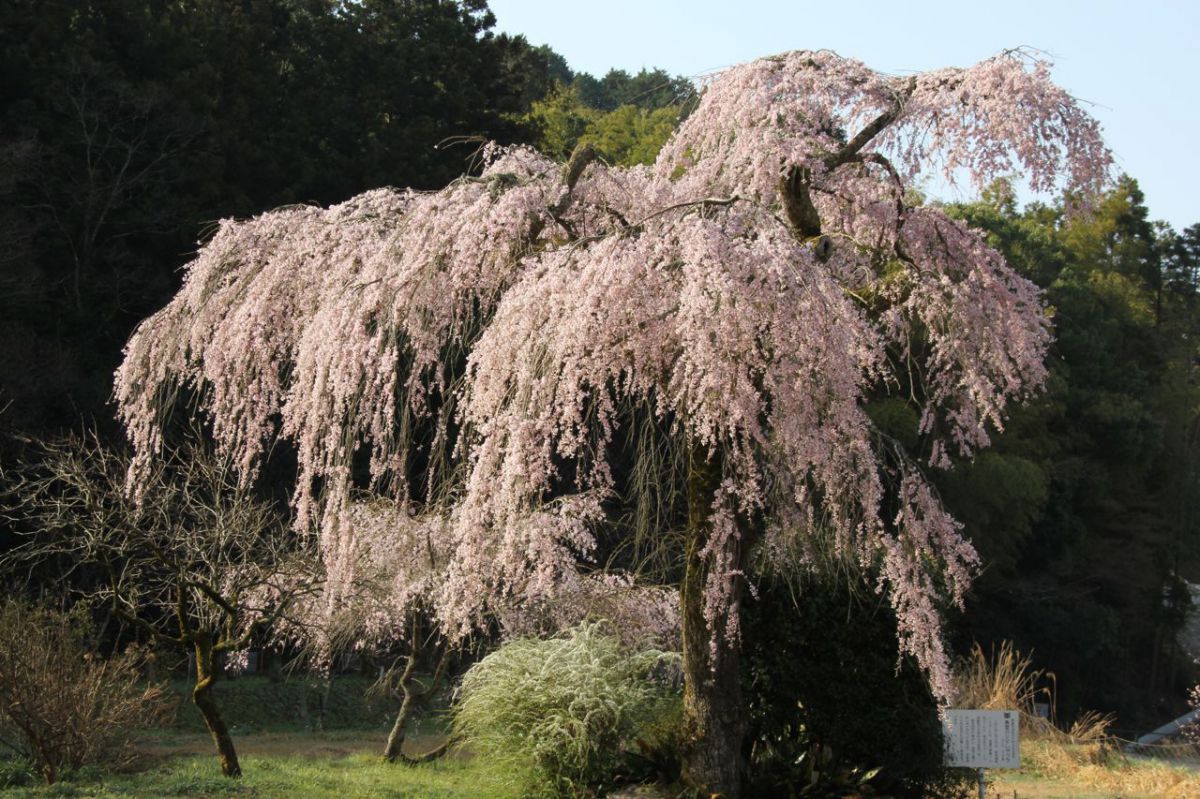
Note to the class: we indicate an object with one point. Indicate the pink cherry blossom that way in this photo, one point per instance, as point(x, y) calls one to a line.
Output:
point(751, 291)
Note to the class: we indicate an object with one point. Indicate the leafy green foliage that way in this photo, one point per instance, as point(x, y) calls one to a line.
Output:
point(127, 127)
point(560, 713)
point(831, 709)
point(1002, 517)
point(626, 118)
point(631, 135)
point(1082, 509)
point(648, 89)
point(627, 135)
point(562, 120)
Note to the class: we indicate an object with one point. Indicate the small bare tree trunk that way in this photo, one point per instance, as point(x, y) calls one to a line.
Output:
point(395, 739)
point(395, 742)
point(715, 723)
point(203, 699)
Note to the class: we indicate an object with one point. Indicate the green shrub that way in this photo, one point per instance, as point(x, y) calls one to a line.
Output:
point(16, 774)
point(564, 714)
point(830, 711)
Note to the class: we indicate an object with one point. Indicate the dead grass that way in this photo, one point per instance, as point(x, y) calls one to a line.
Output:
point(1004, 681)
point(1114, 774)
point(1085, 758)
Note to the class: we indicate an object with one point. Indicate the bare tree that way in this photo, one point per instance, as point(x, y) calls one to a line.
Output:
point(199, 563)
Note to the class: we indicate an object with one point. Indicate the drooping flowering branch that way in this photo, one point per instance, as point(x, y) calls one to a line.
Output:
point(752, 289)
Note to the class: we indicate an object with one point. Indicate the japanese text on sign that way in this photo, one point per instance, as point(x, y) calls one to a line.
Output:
point(982, 738)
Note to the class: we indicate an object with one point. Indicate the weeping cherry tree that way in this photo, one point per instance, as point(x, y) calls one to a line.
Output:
point(478, 349)
point(399, 561)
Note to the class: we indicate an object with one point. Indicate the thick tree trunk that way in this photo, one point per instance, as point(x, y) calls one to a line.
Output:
point(395, 742)
point(715, 723)
point(203, 699)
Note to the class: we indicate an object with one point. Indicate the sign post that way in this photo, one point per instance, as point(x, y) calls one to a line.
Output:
point(982, 739)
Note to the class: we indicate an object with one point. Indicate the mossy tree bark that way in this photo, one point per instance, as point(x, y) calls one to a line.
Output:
point(395, 741)
point(202, 697)
point(715, 722)
point(411, 694)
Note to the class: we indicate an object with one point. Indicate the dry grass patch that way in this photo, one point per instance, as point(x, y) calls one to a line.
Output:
point(1085, 755)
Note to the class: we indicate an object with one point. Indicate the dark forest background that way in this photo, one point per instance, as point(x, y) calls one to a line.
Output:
point(128, 127)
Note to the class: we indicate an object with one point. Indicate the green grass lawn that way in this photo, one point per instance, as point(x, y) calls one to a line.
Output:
point(282, 753)
point(291, 764)
point(284, 756)
point(348, 776)
point(345, 764)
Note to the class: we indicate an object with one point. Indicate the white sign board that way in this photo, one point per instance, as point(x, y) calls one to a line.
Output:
point(982, 738)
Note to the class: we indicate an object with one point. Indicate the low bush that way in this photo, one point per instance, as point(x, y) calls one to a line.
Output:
point(565, 715)
point(61, 706)
point(831, 712)
point(16, 774)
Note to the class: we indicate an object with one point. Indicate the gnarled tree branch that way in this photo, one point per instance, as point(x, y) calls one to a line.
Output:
point(795, 187)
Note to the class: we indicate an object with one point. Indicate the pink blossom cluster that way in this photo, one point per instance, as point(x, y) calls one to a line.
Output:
point(335, 321)
point(642, 616)
point(392, 569)
point(679, 289)
point(1192, 731)
point(388, 565)
point(1001, 117)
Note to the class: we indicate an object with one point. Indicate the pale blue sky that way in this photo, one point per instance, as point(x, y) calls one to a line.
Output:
point(1137, 62)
